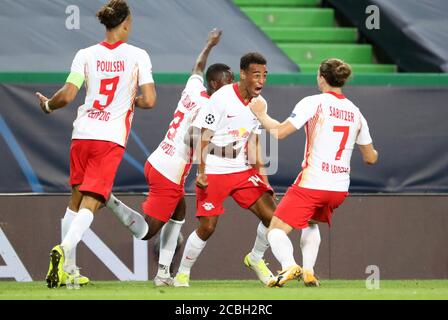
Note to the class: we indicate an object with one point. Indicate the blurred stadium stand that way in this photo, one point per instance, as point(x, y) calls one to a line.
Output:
point(34, 36)
point(396, 216)
point(36, 58)
point(308, 34)
point(413, 33)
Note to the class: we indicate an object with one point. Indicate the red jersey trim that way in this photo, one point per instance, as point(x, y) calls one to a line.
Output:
point(185, 173)
point(128, 119)
point(205, 95)
point(128, 124)
point(337, 95)
point(235, 87)
point(111, 46)
point(307, 154)
point(310, 128)
point(298, 179)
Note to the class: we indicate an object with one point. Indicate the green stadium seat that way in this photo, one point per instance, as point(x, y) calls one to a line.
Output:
point(290, 17)
point(307, 34)
point(311, 35)
point(316, 52)
point(356, 67)
point(277, 3)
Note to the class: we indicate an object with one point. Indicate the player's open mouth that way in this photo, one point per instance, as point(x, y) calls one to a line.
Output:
point(258, 89)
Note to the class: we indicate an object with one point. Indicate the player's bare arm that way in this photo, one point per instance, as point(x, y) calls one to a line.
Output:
point(258, 164)
point(206, 136)
point(213, 39)
point(148, 98)
point(276, 129)
point(369, 154)
point(60, 99)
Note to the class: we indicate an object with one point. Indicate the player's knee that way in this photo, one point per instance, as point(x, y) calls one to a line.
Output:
point(209, 229)
point(151, 233)
point(206, 229)
point(147, 236)
point(154, 226)
point(266, 221)
point(178, 216)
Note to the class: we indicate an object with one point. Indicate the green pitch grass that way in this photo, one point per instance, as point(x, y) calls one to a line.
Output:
point(229, 290)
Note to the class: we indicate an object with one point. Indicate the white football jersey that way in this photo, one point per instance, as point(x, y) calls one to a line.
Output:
point(112, 75)
point(333, 124)
point(233, 124)
point(173, 156)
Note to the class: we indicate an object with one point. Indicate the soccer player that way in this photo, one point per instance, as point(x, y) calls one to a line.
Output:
point(112, 70)
point(333, 124)
point(167, 167)
point(227, 171)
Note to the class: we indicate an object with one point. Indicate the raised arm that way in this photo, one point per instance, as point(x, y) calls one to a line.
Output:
point(276, 129)
point(213, 39)
point(60, 99)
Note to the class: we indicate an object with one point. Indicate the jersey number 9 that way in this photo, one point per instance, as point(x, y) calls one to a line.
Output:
point(107, 88)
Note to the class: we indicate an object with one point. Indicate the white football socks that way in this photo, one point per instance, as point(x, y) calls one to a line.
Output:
point(130, 218)
point(281, 247)
point(261, 244)
point(168, 243)
point(193, 249)
point(78, 227)
point(309, 243)
point(70, 255)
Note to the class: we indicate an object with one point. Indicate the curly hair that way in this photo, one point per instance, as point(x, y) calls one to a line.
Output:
point(113, 13)
point(335, 71)
point(251, 57)
point(215, 70)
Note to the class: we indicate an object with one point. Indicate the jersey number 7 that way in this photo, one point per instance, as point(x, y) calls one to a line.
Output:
point(107, 88)
point(345, 131)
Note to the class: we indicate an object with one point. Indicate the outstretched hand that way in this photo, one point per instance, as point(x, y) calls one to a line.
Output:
point(42, 100)
point(258, 106)
point(214, 36)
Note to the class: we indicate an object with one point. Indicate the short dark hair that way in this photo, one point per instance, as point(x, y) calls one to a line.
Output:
point(215, 70)
point(335, 72)
point(113, 13)
point(251, 57)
